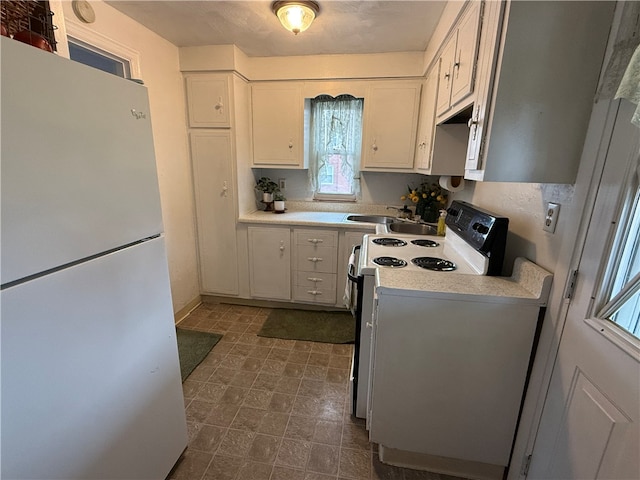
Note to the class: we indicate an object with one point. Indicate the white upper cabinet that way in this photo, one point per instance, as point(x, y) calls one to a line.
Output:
point(208, 100)
point(532, 108)
point(277, 123)
point(390, 123)
point(426, 122)
point(457, 63)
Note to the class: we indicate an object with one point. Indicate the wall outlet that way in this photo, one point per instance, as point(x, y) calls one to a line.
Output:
point(282, 184)
point(551, 219)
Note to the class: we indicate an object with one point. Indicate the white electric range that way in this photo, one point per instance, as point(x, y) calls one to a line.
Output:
point(473, 245)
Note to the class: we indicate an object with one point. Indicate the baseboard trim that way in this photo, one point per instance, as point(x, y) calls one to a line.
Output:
point(444, 465)
point(268, 303)
point(187, 309)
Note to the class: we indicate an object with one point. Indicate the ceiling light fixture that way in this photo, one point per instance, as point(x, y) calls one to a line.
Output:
point(296, 16)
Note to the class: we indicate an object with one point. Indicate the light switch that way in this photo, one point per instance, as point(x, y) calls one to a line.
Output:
point(551, 218)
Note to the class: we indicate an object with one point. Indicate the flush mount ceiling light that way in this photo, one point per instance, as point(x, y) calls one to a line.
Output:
point(296, 16)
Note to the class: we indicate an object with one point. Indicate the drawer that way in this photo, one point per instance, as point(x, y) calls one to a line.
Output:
point(316, 259)
point(323, 281)
point(314, 295)
point(318, 238)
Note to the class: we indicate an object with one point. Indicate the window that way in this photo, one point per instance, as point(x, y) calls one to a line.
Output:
point(335, 144)
point(105, 53)
point(623, 299)
point(95, 57)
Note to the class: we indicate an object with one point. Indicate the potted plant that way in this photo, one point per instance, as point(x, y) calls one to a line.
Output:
point(278, 203)
point(267, 187)
point(429, 198)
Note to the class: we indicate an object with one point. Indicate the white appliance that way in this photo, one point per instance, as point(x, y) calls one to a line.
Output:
point(474, 243)
point(443, 352)
point(90, 374)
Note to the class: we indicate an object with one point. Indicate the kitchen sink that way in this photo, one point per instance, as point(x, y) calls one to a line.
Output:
point(412, 228)
point(371, 219)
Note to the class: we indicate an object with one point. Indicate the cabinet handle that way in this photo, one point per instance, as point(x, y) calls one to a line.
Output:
point(219, 106)
point(369, 325)
point(314, 240)
point(314, 292)
point(456, 65)
point(225, 189)
point(447, 75)
point(314, 259)
point(282, 245)
point(374, 147)
point(314, 279)
point(290, 144)
point(473, 123)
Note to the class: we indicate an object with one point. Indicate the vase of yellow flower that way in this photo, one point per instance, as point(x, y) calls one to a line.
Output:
point(429, 199)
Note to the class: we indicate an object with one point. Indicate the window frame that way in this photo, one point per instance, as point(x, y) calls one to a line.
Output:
point(324, 196)
point(87, 36)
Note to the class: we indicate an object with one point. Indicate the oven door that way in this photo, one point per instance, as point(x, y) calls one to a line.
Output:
point(353, 301)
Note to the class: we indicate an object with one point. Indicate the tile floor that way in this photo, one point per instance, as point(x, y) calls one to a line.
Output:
point(270, 409)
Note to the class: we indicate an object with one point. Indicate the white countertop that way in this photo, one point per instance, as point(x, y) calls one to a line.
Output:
point(529, 284)
point(315, 218)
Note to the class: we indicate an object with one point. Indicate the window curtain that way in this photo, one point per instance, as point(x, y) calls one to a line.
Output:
point(336, 128)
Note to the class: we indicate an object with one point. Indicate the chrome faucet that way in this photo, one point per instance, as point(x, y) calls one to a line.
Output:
point(404, 212)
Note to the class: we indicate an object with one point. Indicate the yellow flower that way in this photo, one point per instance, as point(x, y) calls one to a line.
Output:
point(414, 199)
point(403, 198)
point(413, 192)
point(439, 198)
point(433, 194)
point(424, 195)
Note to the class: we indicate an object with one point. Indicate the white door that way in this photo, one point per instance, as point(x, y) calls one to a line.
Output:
point(590, 425)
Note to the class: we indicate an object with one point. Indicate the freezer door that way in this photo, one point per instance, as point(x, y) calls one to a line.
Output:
point(90, 375)
point(77, 160)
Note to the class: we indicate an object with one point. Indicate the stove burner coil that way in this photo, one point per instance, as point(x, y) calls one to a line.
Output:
point(433, 263)
point(423, 242)
point(389, 242)
point(389, 262)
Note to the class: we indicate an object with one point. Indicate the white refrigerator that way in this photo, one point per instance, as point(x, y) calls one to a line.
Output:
point(90, 379)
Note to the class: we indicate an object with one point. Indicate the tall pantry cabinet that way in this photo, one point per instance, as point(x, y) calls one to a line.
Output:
point(212, 132)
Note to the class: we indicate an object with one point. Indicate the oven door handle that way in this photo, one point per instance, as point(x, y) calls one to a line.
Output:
point(351, 270)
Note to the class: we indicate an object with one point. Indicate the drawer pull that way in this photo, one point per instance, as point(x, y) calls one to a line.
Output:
point(314, 259)
point(369, 325)
point(315, 240)
point(314, 292)
point(314, 279)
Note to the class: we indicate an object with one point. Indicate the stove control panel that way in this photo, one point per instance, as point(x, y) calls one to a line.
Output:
point(483, 230)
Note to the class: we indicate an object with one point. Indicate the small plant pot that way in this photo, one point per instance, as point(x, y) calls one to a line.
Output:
point(267, 197)
point(278, 205)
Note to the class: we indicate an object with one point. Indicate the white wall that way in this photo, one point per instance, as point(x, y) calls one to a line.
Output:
point(161, 74)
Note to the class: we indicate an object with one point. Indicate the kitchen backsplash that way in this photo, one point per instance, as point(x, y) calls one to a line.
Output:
point(377, 188)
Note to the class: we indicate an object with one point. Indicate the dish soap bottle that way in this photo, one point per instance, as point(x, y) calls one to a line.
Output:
point(441, 225)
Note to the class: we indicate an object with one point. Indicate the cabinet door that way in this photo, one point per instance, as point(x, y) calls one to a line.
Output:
point(208, 101)
point(462, 71)
point(270, 262)
point(391, 119)
point(444, 85)
point(277, 119)
point(211, 154)
point(427, 122)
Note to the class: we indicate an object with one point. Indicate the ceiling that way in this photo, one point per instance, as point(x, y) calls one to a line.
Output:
point(342, 27)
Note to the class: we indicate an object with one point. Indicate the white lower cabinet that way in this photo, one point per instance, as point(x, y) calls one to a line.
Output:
point(315, 266)
point(211, 155)
point(270, 262)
